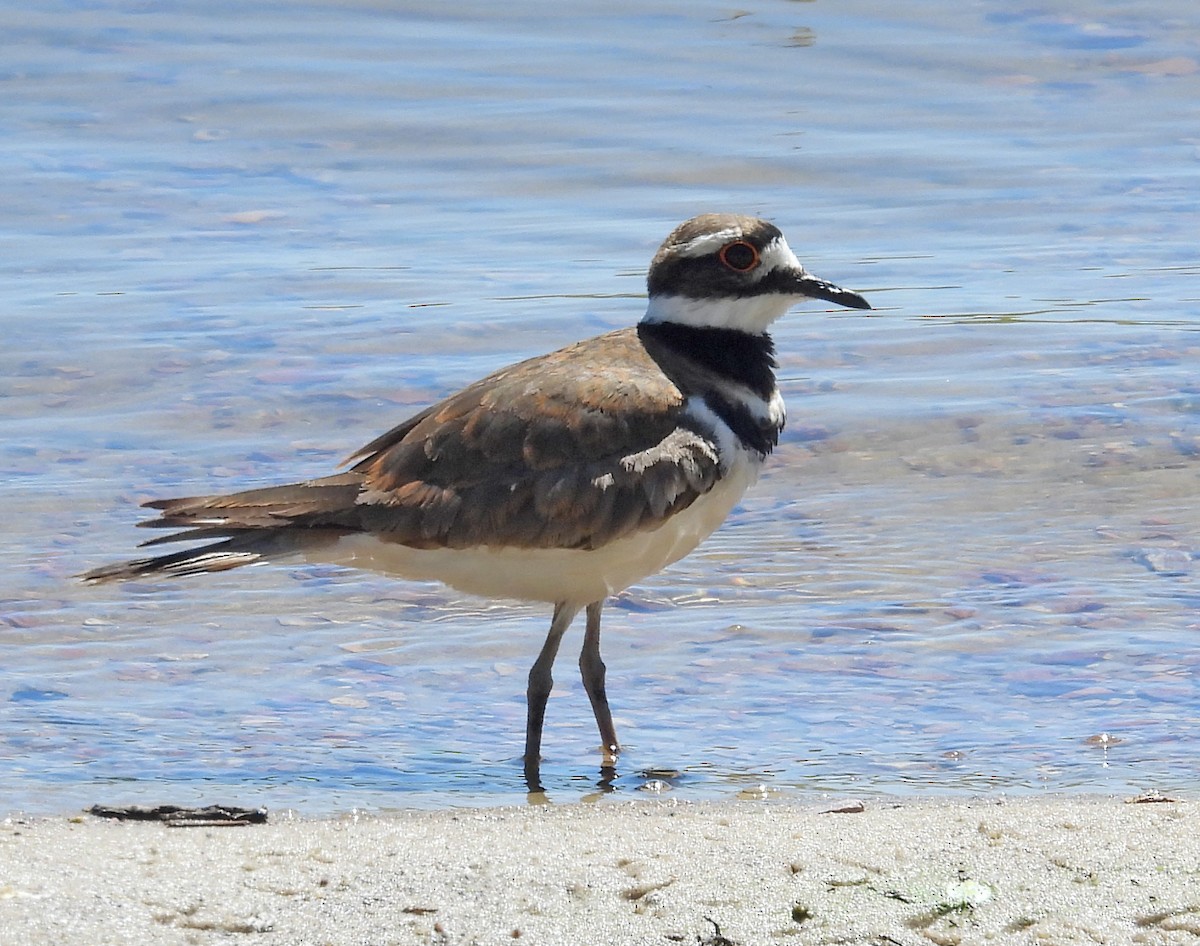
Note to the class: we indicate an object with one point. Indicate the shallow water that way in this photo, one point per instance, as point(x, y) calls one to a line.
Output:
point(240, 243)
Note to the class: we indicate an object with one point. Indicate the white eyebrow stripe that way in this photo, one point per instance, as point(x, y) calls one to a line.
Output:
point(708, 243)
point(774, 254)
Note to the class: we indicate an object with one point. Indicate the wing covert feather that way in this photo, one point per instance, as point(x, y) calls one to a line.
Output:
point(569, 450)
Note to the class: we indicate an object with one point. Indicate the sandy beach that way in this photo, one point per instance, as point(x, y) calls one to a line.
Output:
point(1057, 870)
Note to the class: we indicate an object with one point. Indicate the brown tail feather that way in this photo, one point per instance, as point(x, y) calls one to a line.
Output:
point(217, 557)
point(251, 526)
point(316, 502)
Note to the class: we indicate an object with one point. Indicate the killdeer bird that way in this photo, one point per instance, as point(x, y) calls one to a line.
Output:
point(565, 478)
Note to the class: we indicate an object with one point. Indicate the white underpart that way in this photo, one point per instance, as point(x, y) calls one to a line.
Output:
point(573, 575)
point(753, 314)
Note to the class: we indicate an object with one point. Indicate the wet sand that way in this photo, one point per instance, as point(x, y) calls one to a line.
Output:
point(1052, 870)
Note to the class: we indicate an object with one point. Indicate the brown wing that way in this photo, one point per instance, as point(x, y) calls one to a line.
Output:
point(568, 450)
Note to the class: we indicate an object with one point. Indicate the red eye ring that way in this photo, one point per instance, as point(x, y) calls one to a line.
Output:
point(740, 256)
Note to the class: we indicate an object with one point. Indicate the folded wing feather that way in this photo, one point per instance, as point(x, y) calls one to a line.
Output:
point(569, 450)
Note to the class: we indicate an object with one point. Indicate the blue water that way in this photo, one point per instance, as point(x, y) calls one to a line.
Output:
point(238, 242)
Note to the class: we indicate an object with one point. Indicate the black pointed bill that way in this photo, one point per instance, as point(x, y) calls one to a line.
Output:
point(820, 289)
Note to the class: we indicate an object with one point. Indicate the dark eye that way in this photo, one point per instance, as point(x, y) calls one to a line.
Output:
point(739, 256)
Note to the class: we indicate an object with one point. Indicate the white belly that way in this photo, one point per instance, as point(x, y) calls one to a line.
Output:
point(578, 576)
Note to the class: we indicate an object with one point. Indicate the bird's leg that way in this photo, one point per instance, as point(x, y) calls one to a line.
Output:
point(591, 668)
point(540, 683)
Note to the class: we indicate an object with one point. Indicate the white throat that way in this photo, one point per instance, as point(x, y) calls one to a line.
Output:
point(752, 314)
